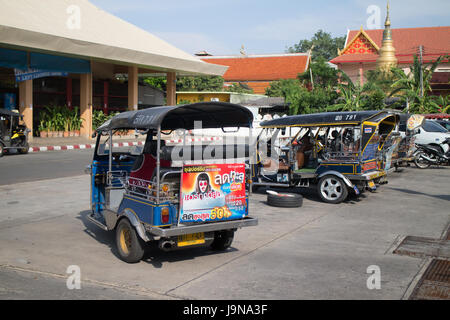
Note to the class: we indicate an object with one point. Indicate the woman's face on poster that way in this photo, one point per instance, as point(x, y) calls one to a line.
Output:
point(203, 185)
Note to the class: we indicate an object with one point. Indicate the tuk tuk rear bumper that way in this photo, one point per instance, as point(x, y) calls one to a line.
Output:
point(206, 227)
point(367, 176)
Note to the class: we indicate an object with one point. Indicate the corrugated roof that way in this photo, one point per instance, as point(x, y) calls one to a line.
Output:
point(436, 42)
point(261, 67)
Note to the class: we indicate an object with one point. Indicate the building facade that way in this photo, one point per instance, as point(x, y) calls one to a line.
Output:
point(363, 49)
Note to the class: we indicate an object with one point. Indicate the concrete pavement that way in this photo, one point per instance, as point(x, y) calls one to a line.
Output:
point(318, 251)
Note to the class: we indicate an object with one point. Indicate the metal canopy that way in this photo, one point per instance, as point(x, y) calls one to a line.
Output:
point(323, 119)
point(211, 115)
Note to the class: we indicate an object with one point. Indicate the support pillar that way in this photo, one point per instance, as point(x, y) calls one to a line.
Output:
point(171, 92)
point(86, 104)
point(26, 104)
point(133, 88)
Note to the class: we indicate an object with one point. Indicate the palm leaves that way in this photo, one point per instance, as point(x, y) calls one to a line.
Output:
point(409, 86)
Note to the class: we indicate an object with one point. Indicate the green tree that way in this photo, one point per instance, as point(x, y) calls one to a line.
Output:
point(410, 89)
point(200, 83)
point(239, 88)
point(157, 82)
point(322, 74)
point(325, 46)
point(301, 99)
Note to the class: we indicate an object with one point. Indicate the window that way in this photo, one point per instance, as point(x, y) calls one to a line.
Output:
point(431, 126)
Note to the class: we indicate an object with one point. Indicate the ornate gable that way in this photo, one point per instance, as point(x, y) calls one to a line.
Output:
point(361, 44)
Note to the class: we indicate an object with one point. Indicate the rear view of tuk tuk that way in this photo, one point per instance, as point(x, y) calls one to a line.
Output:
point(337, 152)
point(179, 196)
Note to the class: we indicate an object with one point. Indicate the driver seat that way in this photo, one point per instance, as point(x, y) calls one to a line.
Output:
point(145, 164)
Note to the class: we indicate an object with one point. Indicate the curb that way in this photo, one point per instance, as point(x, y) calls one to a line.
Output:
point(115, 145)
point(81, 146)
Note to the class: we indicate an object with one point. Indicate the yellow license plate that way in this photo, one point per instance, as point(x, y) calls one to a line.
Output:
point(371, 184)
point(191, 239)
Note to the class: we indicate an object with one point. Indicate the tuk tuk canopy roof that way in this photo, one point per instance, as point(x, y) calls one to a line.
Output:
point(325, 119)
point(6, 112)
point(211, 115)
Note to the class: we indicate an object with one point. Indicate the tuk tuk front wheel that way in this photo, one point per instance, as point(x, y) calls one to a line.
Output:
point(332, 189)
point(129, 245)
point(222, 240)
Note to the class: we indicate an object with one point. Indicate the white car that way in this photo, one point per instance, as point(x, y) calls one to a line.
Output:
point(432, 133)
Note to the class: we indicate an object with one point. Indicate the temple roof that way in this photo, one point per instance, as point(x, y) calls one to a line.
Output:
point(436, 42)
point(262, 67)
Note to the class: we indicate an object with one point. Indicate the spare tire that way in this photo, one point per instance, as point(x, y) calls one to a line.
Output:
point(286, 200)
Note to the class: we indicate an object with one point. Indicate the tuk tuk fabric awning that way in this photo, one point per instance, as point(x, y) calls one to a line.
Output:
point(9, 113)
point(211, 115)
point(322, 119)
point(78, 29)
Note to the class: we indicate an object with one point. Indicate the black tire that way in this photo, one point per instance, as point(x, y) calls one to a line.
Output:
point(420, 162)
point(332, 189)
point(2, 150)
point(285, 200)
point(130, 246)
point(222, 240)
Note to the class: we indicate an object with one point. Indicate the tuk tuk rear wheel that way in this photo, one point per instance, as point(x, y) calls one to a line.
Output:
point(222, 240)
point(332, 189)
point(129, 245)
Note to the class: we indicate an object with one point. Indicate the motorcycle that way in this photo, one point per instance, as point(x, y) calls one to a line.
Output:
point(426, 155)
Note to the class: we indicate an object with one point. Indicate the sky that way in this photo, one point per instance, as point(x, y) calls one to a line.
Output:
point(267, 27)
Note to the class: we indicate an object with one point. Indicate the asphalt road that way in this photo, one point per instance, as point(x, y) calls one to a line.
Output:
point(318, 251)
point(17, 168)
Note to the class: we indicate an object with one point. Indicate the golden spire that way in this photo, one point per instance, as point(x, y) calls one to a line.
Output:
point(387, 58)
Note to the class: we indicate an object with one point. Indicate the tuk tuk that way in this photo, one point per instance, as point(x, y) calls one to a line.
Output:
point(180, 196)
point(338, 152)
point(400, 146)
point(12, 134)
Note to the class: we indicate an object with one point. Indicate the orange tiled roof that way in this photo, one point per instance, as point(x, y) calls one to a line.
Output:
point(261, 67)
point(436, 42)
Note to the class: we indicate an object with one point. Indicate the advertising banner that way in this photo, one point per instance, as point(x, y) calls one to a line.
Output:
point(212, 192)
point(30, 74)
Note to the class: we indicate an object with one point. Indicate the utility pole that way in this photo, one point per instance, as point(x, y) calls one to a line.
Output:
point(310, 66)
point(421, 70)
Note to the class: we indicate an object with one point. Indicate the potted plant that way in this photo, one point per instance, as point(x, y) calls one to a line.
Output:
point(42, 129)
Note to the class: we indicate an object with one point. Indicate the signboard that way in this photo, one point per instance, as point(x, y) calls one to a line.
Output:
point(415, 121)
point(30, 74)
point(212, 192)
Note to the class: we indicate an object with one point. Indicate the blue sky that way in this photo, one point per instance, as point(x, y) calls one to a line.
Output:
point(262, 26)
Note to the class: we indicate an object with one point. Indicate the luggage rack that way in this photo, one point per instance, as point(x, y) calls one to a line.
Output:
point(146, 189)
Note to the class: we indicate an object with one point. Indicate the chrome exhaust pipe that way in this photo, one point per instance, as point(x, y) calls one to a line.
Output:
point(428, 159)
point(167, 245)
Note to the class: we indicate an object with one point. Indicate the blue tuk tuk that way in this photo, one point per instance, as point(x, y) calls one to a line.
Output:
point(179, 196)
point(338, 152)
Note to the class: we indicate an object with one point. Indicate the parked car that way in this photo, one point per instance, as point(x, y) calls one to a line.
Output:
point(444, 123)
point(432, 133)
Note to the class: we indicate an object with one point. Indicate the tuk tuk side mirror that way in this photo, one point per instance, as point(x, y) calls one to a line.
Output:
point(94, 134)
